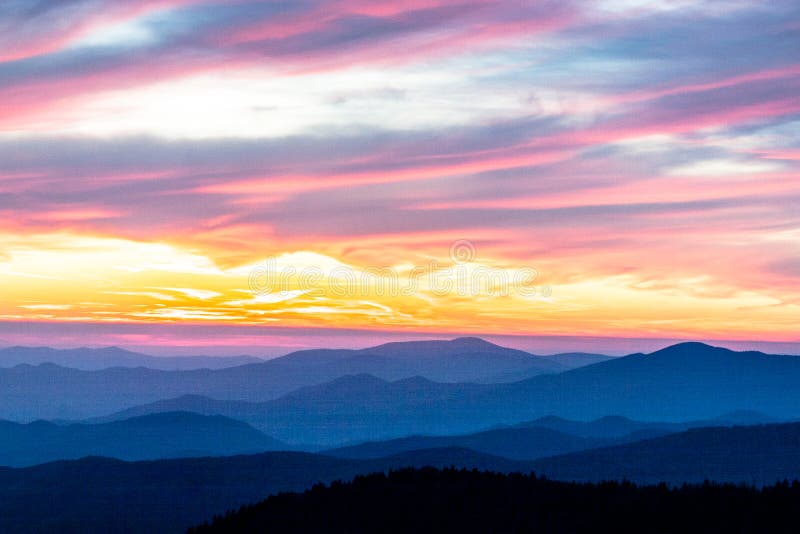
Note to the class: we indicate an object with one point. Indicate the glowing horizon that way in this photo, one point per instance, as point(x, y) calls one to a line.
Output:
point(605, 173)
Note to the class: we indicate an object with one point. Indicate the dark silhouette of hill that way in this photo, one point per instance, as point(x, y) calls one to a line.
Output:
point(49, 391)
point(162, 435)
point(760, 454)
point(101, 495)
point(89, 359)
point(450, 500)
point(686, 382)
point(106, 495)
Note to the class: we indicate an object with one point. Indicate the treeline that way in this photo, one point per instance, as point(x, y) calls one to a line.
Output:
point(452, 500)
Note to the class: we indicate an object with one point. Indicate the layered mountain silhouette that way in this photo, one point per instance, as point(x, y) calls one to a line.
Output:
point(348, 409)
point(685, 382)
point(608, 427)
point(514, 443)
point(615, 426)
point(100, 495)
point(436, 500)
point(49, 391)
point(89, 359)
point(465, 359)
point(542, 437)
point(162, 435)
point(760, 454)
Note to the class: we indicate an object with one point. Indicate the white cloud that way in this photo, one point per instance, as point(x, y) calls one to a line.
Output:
point(724, 167)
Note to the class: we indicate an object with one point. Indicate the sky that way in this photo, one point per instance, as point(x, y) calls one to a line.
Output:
point(314, 172)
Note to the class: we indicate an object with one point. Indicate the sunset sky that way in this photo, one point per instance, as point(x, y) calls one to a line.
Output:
point(202, 173)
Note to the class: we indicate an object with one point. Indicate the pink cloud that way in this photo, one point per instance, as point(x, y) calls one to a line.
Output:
point(19, 41)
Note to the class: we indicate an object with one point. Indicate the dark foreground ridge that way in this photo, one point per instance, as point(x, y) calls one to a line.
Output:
point(451, 500)
point(102, 495)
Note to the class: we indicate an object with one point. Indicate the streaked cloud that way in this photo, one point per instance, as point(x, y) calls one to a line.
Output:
point(153, 153)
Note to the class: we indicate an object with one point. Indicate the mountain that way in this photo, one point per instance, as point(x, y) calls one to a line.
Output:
point(760, 454)
point(562, 362)
point(513, 443)
point(573, 360)
point(465, 359)
point(239, 410)
point(683, 382)
point(345, 410)
point(546, 436)
point(450, 500)
point(608, 427)
point(106, 495)
point(162, 435)
point(679, 383)
point(89, 359)
point(686, 382)
point(48, 391)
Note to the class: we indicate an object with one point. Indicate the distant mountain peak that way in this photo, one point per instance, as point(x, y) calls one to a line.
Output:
point(689, 347)
point(472, 342)
point(693, 345)
point(461, 343)
point(436, 348)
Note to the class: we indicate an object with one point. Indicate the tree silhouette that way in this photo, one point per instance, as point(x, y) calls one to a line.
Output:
point(452, 500)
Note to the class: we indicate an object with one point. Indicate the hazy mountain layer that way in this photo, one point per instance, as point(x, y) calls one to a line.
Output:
point(89, 359)
point(761, 454)
point(681, 383)
point(162, 435)
point(50, 391)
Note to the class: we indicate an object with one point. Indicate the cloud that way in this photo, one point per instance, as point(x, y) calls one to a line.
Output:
point(592, 140)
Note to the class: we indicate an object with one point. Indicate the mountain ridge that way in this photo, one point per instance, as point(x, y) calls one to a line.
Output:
point(660, 388)
point(754, 454)
point(99, 358)
point(57, 392)
point(151, 436)
point(98, 495)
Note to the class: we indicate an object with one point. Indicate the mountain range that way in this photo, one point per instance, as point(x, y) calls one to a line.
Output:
point(513, 443)
point(107, 495)
point(155, 436)
point(90, 359)
point(547, 436)
point(430, 500)
point(374, 410)
point(759, 454)
point(99, 495)
point(49, 391)
point(295, 400)
point(615, 426)
point(684, 382)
